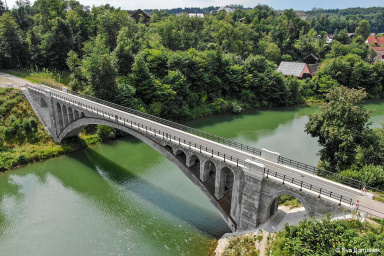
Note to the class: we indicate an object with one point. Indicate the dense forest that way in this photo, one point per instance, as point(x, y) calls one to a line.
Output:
point(334, 20)
point(182, 67)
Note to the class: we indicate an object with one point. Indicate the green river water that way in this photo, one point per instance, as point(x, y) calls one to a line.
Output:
point(124, 198)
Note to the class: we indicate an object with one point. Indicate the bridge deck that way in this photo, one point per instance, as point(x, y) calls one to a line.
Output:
point(216, 150)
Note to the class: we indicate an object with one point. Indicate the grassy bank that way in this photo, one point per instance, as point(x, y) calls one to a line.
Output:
point(22, 136)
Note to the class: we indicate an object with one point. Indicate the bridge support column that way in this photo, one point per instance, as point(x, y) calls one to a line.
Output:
point(253, 178)
point(218, 180)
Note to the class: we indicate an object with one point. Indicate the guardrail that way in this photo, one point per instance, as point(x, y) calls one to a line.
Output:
point(302, 184)
point(322, 173)
point(231, 143)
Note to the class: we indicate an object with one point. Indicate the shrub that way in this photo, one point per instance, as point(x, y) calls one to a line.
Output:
point(372, 176)
point(105, 132)
point(236, 108)
point(29, 125)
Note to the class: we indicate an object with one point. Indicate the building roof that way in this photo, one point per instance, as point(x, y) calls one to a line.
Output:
point(190, 14)
point(292, 68)
point(200, 15)
point(376, 41)
point(226, 8)
point(311, 58)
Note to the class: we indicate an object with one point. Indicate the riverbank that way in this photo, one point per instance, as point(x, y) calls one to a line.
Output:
point(282, 233)
point(23, 138)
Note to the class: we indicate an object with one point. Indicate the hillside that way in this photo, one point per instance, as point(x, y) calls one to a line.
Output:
point(331, 19)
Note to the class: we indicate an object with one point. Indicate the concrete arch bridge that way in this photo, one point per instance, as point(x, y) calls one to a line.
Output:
point(242, 182)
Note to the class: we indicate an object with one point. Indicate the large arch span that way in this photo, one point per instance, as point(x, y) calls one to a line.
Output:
point(242, 182)
point(74, 128)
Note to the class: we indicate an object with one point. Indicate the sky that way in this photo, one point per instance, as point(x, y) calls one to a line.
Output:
point(305, 5)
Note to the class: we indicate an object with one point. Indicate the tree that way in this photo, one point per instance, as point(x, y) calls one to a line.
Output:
point(363, 29)
point(12, 46)
point(341, 127)
point(2, 7)
point(56, 44)
point(98, 68)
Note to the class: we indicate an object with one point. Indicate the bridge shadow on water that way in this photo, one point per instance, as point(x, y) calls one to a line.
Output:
point(202, 219)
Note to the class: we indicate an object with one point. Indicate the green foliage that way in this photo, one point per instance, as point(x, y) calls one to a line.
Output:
point(340, 127)
point(369, 175)
point(332, 19)
point(363, 29)
point(290, 201)
point(178, 66)
point(243, 245)
point(323, 237)
point(350, 71)
point(105, 133)
point(56, 43)
point(12, 47)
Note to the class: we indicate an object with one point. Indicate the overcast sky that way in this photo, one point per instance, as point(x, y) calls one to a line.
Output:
point(276, 4)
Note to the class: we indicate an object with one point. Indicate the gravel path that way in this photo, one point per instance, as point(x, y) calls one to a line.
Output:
point(7, 80)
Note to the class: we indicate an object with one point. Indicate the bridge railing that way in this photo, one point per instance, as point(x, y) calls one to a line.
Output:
point(231, 143)
point(255, 151)
point(322, 173)
point(322, 192)
point(149, 131)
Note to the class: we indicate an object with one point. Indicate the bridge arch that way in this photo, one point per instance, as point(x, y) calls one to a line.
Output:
point(169, 148)
point(43, 103)
point(70, 115)
point(209, 170)
point(192, 160)
point(181, 155)
point(60, 116)
point(76, 114)
point(270, 204)
point(65, 115)
point(74, 128)
point(227, 179)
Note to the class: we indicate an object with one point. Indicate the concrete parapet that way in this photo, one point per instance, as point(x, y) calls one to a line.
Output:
point(270, 155)
point(254, 169)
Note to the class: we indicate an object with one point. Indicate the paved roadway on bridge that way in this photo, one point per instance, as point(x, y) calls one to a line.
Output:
point(367, 205)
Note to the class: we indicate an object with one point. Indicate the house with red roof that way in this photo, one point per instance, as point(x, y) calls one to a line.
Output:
point(376, 43)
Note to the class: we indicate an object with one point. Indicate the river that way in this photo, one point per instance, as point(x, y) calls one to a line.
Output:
point(124, 198)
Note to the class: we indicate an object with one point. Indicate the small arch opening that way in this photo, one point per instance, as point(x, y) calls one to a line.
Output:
point(169, 148)
point(43, 103)
point(226, 182)
point(76, 113)
point(82, 115)
point(60, 116)
point(181, 156)
point(209, 175)
point(210, 169)
point(194, 163)
point(70, 114)
point(229, 178)
point(65, 115)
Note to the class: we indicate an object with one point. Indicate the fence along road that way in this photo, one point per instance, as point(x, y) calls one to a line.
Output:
point(176, 134)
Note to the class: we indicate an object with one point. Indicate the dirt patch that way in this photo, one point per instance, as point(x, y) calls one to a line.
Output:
point(4, 81)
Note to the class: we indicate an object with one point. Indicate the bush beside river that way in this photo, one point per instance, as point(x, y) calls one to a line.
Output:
point(23, 138)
